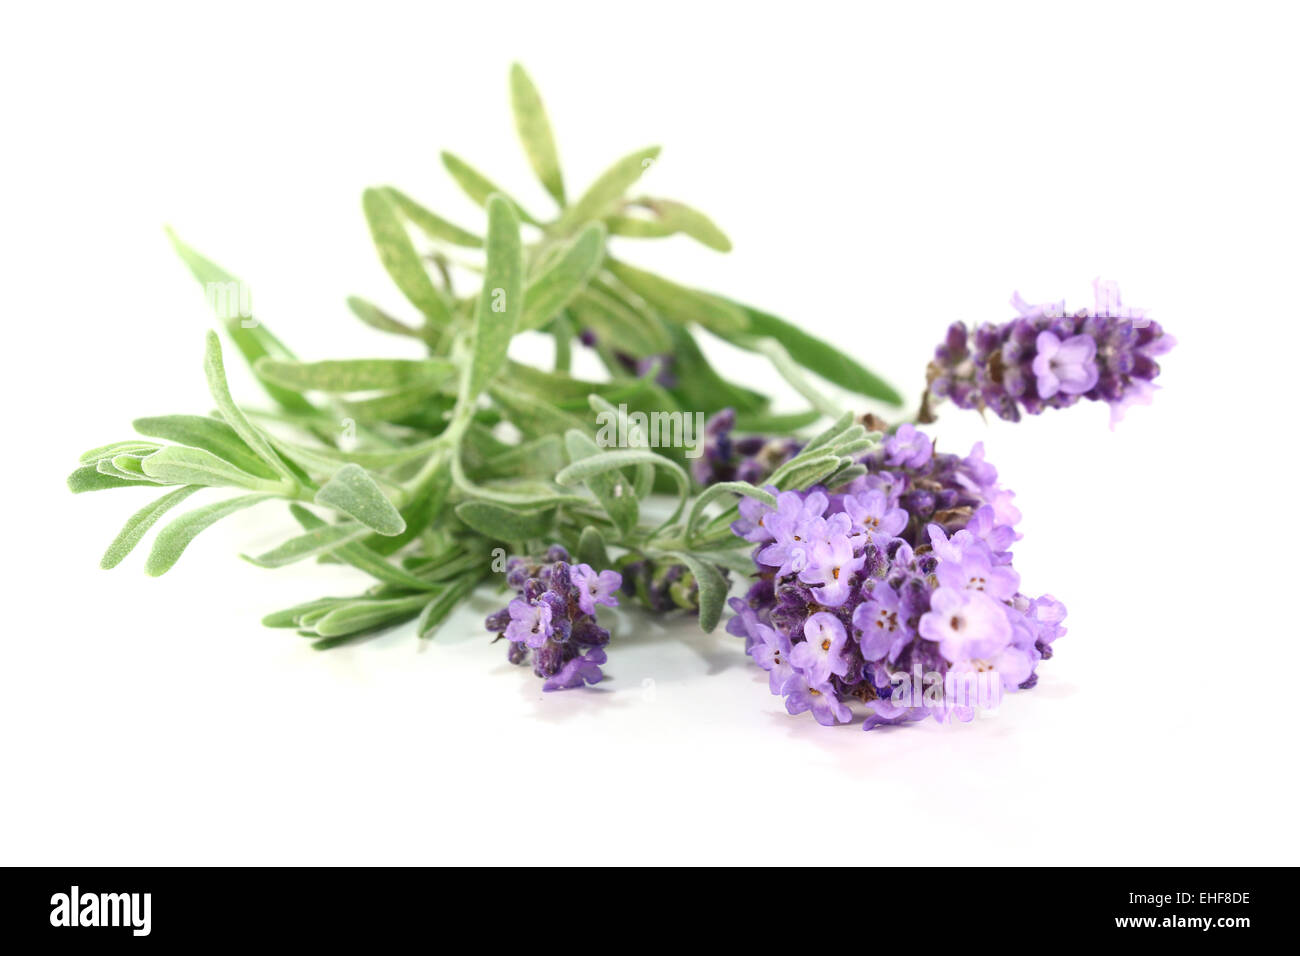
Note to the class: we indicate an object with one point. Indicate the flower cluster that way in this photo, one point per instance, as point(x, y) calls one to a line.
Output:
point(897, 590)
point(554, 618)
point(745, 458)
point(1048, 359)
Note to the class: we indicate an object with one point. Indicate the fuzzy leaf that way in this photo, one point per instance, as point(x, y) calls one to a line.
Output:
point(501, 301)
point(670, 218)
point(179, 465)
point(322, 540)
point(400, 259)
point(175, 538)
point(430, 223)
point(141, 522)
point(551, 291)
point(353, 492)
point(535, 132)
point(90, 478)
point(377, 318)
point(356, 375)
point(505, 524)
point(362, 557)
point(438, 609)
point(362, 615)
point(609, 188)
point(679, 303)
point(210, 434)
point(253, 438)
point(611, 488)
point(713, 588)
point(478, 187)
point(591, 548)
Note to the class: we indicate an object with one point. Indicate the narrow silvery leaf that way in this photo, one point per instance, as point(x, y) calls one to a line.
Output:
point(356, 375)
point(377, 318)
point(609, 188)
point(430, 223)
point(363, 615)
point(438, 609)
point(679, 303)
point(128, 447)
point(175, 538)
point(290, 616)
point(141, 522)
point(713, 588)
point(551, 291)
point(701, 388)
point(618, 459)
point(503, 523)
point(671, 217)
point(501, 302)
point(532, 417)
point(90, 478)
point(206, 433)
point(230, 299)
point(613, 322)
point(611, 488)
point(320, 540)
point(819, 357)
point(353, 492)
point(535, 132)
point(126, 467)
point(478, 187)
point(253, 438)
point(400, 259)
point(363, 558)
point(179, 465)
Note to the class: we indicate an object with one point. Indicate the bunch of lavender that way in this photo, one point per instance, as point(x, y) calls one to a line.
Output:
point(897, 591)
point(1047, 358)
point(553, 618)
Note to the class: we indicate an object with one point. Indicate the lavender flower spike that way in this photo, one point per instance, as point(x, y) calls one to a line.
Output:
point(1047, 358)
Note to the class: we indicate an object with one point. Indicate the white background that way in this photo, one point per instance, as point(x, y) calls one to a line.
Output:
point(882, 172)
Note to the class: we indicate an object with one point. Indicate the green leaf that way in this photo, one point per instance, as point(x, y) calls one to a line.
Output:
point(679, 303)
point(90, 478)
point(551, 291)
point(617, 459)
point(116, 448)
point(535, 132)
point(141, 522)
point(291, 616)
point(609, 188)
point(400, 259)
point(362, 557)
point(819, 357)
point(430, 223)
point(322, 540)
point(612, 489)
point(353, 492)
point(175, 538)
point(209, 434)
point(126, 467)
point(437, 610)
point(478, 187)
point(591, 548)
point(670, 218)
point(253, 339)
point(533, 417)
point(363, 615)
point(253, 438)
point(179, 465)
point(614, 323)
point(357, 375)
point(377, 318)
point(713, 588)
point(501, 301)
point(702, 389)
point(714, 492)
point(505, 524)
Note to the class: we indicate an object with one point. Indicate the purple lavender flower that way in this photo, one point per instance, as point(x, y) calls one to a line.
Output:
point(595, 588)
point(727, 457)
point(802, 694)
point(911, 564)
point(530, 623)
point(1046, 358)
point(821, 653)
point(553, 618)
